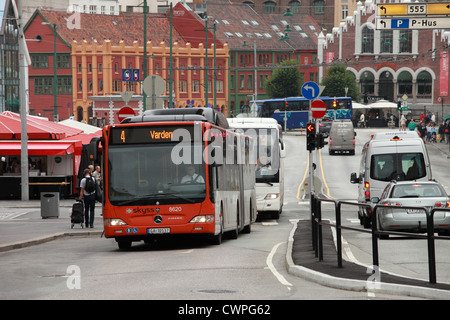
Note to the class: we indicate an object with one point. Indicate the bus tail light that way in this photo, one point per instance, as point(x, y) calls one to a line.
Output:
point(114, 222)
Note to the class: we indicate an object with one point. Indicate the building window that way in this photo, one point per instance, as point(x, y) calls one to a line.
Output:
point(232, 82)
point(219, 85)
point(367, 83)
point(386, 41)
point(183, 86)
point(367, 40)
point(64, 85)
point(43, 85)
point(294, 6)
point(100, 85)
point(344, 12)
point(404, 83)
point(195, 86)
point(116, 86)
point(269, 7)
point(241, 81)
point(249, 81)
point(63, 61)
point(39, 61)
point(319, 7)
point(424, 83)
point(405, 40)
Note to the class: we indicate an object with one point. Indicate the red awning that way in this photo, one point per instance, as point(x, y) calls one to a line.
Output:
point(37, 128)
point(38, 148)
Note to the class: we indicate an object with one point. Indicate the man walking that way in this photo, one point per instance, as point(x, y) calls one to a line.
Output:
point(87, 194)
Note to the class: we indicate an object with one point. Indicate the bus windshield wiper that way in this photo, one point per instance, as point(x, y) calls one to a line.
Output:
point(154, 195)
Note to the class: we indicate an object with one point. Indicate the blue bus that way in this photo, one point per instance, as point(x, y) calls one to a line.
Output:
point(296, 110)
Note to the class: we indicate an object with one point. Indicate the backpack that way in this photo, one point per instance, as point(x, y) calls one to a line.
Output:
point(90, 185)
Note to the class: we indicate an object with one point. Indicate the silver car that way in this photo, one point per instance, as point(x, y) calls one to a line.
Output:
point(428, 194)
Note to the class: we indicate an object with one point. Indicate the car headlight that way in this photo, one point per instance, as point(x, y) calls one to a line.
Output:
point(114, 222)
point(202, 219)
point(271, 196)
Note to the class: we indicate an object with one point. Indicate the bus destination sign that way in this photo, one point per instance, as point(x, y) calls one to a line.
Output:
point(149, 134)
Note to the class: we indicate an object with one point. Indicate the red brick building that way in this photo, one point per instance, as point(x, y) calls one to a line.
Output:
point(391, 64)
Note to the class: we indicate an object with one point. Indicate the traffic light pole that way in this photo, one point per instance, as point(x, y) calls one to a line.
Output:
point(311, 162)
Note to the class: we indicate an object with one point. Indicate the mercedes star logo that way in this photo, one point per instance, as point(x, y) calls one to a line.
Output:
point(157, 219)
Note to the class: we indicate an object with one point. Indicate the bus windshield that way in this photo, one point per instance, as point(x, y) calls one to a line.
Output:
point(268, 155)
point(146, 175)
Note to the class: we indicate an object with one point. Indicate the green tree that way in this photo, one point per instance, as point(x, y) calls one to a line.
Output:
point(285, 81)
point(336, 79)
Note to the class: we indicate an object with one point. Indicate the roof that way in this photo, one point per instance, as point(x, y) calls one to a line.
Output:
point(236, 23)
point(38, 148)
point(87, 128)
point(37, 128)
point(128, 27)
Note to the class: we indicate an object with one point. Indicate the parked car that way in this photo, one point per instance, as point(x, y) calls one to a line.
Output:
point(429, 194)
point(325, 125)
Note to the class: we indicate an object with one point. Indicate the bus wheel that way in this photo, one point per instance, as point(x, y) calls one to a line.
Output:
point(248, 228)
point(124, 245)
point(234, 233)
point(217, 239)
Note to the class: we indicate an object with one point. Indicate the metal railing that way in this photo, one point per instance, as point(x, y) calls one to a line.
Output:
point(317, 223)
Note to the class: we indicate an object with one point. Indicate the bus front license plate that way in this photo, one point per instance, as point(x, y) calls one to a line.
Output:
point(158, 230)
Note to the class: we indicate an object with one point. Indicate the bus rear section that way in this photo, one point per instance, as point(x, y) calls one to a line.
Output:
point(389, 156)
point(160, 180)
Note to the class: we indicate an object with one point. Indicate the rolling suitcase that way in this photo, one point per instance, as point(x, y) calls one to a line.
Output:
point(77, 216)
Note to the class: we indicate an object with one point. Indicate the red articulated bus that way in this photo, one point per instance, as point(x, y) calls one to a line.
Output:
point(176, 171)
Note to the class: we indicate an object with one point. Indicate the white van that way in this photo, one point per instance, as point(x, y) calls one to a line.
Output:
point(399, 155)
point(342, 137)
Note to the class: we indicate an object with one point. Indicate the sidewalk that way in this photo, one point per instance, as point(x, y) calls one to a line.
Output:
point(22, 225)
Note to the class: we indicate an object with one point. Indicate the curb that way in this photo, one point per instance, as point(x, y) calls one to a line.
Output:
point(358, 285)
point(44, 239)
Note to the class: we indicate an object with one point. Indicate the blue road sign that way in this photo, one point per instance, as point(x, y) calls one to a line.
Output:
point(310, 90)
point(400, 24)
point(129, 75)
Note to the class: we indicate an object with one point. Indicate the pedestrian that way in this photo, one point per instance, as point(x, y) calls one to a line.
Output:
point(412, 125)
point(447, 131)
point(422, 117)
point(87, 194)
point(441, 132)
point(98, 175)
point(433, 118)
point(428, 129)
point(91, 169)
point(422, 130)
point(403, 122)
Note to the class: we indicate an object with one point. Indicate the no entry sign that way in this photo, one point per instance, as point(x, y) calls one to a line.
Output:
point(318, 109)
point(125, 112)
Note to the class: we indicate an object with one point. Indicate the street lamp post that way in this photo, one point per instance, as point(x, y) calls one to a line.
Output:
point(55, 78)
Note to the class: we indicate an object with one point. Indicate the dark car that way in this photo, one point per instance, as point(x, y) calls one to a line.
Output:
point(325, 125)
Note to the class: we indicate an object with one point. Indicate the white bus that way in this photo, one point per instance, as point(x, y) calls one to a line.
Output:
point(269, 152)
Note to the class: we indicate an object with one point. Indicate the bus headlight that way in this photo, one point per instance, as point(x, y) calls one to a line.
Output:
point(271, 196)
point(202, 219)
point(114, 222)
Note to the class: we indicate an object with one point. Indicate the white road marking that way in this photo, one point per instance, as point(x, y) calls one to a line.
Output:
point(272, 267)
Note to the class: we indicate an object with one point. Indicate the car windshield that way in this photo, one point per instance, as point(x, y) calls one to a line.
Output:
point(417, 191)
point(397, 166)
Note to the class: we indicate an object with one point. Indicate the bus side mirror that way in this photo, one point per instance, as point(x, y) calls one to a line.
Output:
point(354, 178)
point(282, 150)
point(92, 149)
